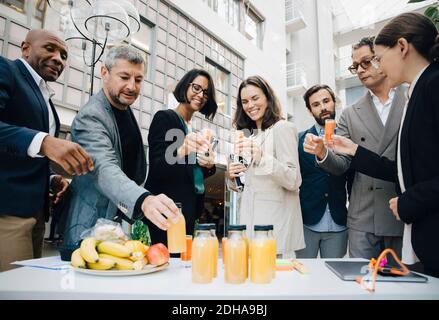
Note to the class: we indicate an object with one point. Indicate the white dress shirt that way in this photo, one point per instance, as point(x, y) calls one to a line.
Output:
point(47, 93)
point(408, 254)
point(383, 109)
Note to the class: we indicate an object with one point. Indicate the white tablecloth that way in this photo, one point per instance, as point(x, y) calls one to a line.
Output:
point(175, 283)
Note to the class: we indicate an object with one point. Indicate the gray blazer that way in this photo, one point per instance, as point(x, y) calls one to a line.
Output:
point(100, 193)
point(369, 202)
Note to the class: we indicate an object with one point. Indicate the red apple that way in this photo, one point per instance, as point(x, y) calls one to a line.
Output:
point(157, 254)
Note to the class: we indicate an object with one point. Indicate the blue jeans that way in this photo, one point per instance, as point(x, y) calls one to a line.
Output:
point(330, 244)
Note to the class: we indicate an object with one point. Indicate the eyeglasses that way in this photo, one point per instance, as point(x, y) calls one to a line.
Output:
point(365, 64)
point(376, 61)
point(196, 88)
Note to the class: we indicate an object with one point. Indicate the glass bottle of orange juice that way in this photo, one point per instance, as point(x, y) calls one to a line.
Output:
point(215, 246)
point(236, 259)
point(261, 262)
point(202, 253)
point(177, 234)
point(272, 241)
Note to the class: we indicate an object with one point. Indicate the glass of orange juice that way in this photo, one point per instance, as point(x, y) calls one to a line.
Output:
point(177, 234)
point(238, 137)
point(207, 134)
point(329, 129)
point(186, 256)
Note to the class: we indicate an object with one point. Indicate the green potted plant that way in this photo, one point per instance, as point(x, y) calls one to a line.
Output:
point(432, 12)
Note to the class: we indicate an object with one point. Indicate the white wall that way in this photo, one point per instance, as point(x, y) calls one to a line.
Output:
point(269, 62)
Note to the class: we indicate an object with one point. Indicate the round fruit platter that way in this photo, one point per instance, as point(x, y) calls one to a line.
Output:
point(116, 258)
point(149, 268)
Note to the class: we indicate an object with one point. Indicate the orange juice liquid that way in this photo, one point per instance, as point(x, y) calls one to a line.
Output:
point(272, 243)
point(186, 256)
point(223, 248)
point(239, 137)
point(329, 129)
point(177, 236)
point(202, 260)
point(236, 266)
point(261, 262)
point(246, 252)
point(214, 243)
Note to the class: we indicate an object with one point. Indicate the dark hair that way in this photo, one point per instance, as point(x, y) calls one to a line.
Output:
point(272, 114)
point(209, 109)
point(315, 89)
point(417, 29)
point(366, 41)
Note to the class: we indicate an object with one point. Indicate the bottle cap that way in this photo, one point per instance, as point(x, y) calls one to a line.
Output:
point(203, 226)
point(237, 227)
point(263, 228)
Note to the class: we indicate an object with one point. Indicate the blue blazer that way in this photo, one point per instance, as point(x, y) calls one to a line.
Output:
point(24, 181)
point(319, 189)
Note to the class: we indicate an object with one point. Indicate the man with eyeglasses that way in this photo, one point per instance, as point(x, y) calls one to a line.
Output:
point(372, 122)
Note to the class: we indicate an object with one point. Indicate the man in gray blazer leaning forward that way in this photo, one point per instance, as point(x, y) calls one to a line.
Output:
point(372, 122)
point(107, 129)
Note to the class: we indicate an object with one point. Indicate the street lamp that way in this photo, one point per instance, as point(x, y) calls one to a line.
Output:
point(92, 25)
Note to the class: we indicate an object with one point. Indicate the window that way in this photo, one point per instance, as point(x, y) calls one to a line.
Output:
point(253, 27)
point(29, 13)
point(142, 40)
point(221, 79)
point(40, 8)
point(228, 10)
point(18, 5)
point(234, 11)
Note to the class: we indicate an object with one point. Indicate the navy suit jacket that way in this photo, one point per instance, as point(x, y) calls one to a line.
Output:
point(24, 181)
point(319, 189)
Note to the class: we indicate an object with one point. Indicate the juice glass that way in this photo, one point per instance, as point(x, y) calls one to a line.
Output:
point(329, 129)
point(186, 256)
point(177, 234)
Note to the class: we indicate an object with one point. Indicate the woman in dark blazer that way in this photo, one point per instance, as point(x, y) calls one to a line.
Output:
point(180, 159)
point(407, 50)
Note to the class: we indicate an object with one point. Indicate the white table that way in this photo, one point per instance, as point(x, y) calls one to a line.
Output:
point(175, 283)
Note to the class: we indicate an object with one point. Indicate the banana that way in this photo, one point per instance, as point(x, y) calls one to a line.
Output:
point(137, 256)
point(114, 249)
point(76, 260)
point(121, 263)
point(138, 265)
point(103, 264)
point(88, 250)
point(135, 245)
